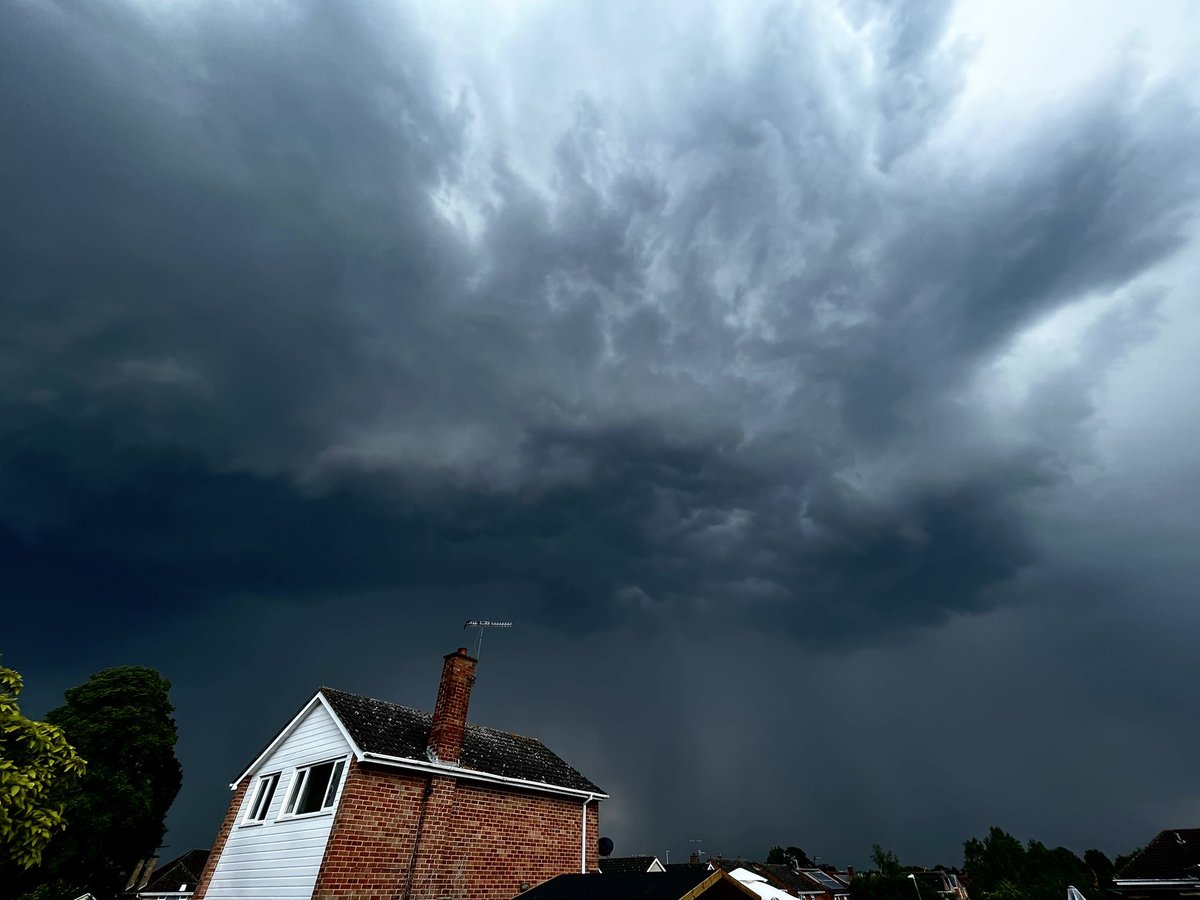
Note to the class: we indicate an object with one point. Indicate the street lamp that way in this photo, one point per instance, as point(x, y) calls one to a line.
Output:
point(916, 886)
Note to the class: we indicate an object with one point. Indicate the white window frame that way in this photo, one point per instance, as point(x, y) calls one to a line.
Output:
point(262, 785)
point(332, 791)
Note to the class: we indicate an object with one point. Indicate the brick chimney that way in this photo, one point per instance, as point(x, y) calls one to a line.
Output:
point(450, 711)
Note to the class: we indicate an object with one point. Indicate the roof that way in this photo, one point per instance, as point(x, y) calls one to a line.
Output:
point(183, 869)
point(796, 881)
point(673, 885)
point(386, 729)
point(793, 880)
point(1172, 855)
point(759, 883)
point(615, 864)
point(825, 880)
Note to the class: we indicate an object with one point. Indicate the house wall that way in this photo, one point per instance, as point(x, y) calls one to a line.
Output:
point(478, 842)
point(277, 859)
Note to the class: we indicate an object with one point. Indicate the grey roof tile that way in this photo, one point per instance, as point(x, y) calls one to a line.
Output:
point(391, 730)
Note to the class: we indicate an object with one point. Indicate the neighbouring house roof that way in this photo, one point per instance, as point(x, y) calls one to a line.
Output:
point(795, 881)
point(672, 885)
point(759, 883)
point(1173, 855)
point(781, 875)
point(386, 729)
point(614, 864)
point(828, 881)
point(183, 870)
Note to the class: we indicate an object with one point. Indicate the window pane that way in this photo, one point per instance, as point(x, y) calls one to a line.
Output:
point(264, 797)
point(333, 784)
point(315, 785)
point(255, 801)
point(301, 777)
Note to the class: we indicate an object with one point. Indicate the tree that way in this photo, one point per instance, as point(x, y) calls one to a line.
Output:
point(1000, 868)
point(1120, 862)
point(120, 720)
point(36, 762)
point(1103, 871)
point(997, 859)
point(887, 881)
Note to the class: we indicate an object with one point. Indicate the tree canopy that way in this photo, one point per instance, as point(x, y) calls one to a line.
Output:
point(1000, 867)
point(887, 881)
point(36, 764)
point(120, 721)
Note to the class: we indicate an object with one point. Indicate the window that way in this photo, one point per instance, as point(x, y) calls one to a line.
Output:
point(264, 791)
point(314, 788)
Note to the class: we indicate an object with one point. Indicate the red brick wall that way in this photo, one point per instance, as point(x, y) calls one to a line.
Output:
point(477, 842)
point(219, 844)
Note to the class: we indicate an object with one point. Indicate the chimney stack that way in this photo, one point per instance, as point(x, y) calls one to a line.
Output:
point(450, 711)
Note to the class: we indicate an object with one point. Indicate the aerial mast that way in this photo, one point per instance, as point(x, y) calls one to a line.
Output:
point(482, 624)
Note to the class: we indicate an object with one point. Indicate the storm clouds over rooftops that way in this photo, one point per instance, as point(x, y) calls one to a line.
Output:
point(800, 317)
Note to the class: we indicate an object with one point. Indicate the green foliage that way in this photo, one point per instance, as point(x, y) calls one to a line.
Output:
point(1120, 862)
point(1007, 890)
point(120, 720)
point(35, 762)
point(886, 862)
point(1000, 868)
point(791, 856)
point(887, 881)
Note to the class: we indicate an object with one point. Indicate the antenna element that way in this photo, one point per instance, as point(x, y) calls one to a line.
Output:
point(481, 624)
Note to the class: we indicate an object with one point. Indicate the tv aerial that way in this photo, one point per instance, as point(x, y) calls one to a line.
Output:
point(483, 624)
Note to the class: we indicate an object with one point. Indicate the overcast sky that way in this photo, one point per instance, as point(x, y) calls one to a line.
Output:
point(814, 386)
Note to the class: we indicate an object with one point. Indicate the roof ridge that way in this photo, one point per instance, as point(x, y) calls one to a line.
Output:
point(422, 712)
point(326, 687)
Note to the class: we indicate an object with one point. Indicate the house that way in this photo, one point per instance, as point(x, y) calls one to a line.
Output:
point(357, 798)
point(939, 883)
point(684, 884)
point(616, 864)
point(772, 881)
point(764, 885)
point(1168, 867)
point(175, 880)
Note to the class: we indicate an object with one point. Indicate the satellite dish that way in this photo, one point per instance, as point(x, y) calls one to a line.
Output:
point(606, 846)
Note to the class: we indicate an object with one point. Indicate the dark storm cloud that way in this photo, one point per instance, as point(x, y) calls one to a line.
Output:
point(242, 331)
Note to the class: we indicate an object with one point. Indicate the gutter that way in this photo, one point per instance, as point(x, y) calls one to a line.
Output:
point(417, 765)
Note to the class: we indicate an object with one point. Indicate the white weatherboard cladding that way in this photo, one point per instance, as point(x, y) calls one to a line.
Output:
point(280, 858)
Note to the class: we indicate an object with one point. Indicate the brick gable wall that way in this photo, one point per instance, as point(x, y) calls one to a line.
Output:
point(477, 842)
point(235, 804)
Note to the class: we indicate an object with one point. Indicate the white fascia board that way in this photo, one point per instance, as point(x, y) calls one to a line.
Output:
point(430, 768)
point(318, 699)
point(1156, 882)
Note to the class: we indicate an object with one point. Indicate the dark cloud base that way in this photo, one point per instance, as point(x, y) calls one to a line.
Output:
point(294, 317)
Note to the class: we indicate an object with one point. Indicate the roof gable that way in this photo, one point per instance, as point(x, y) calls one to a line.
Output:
point(315, 705)
point(613, 864)
point(183, 869)
point(1172, 855)
point(677, 885)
